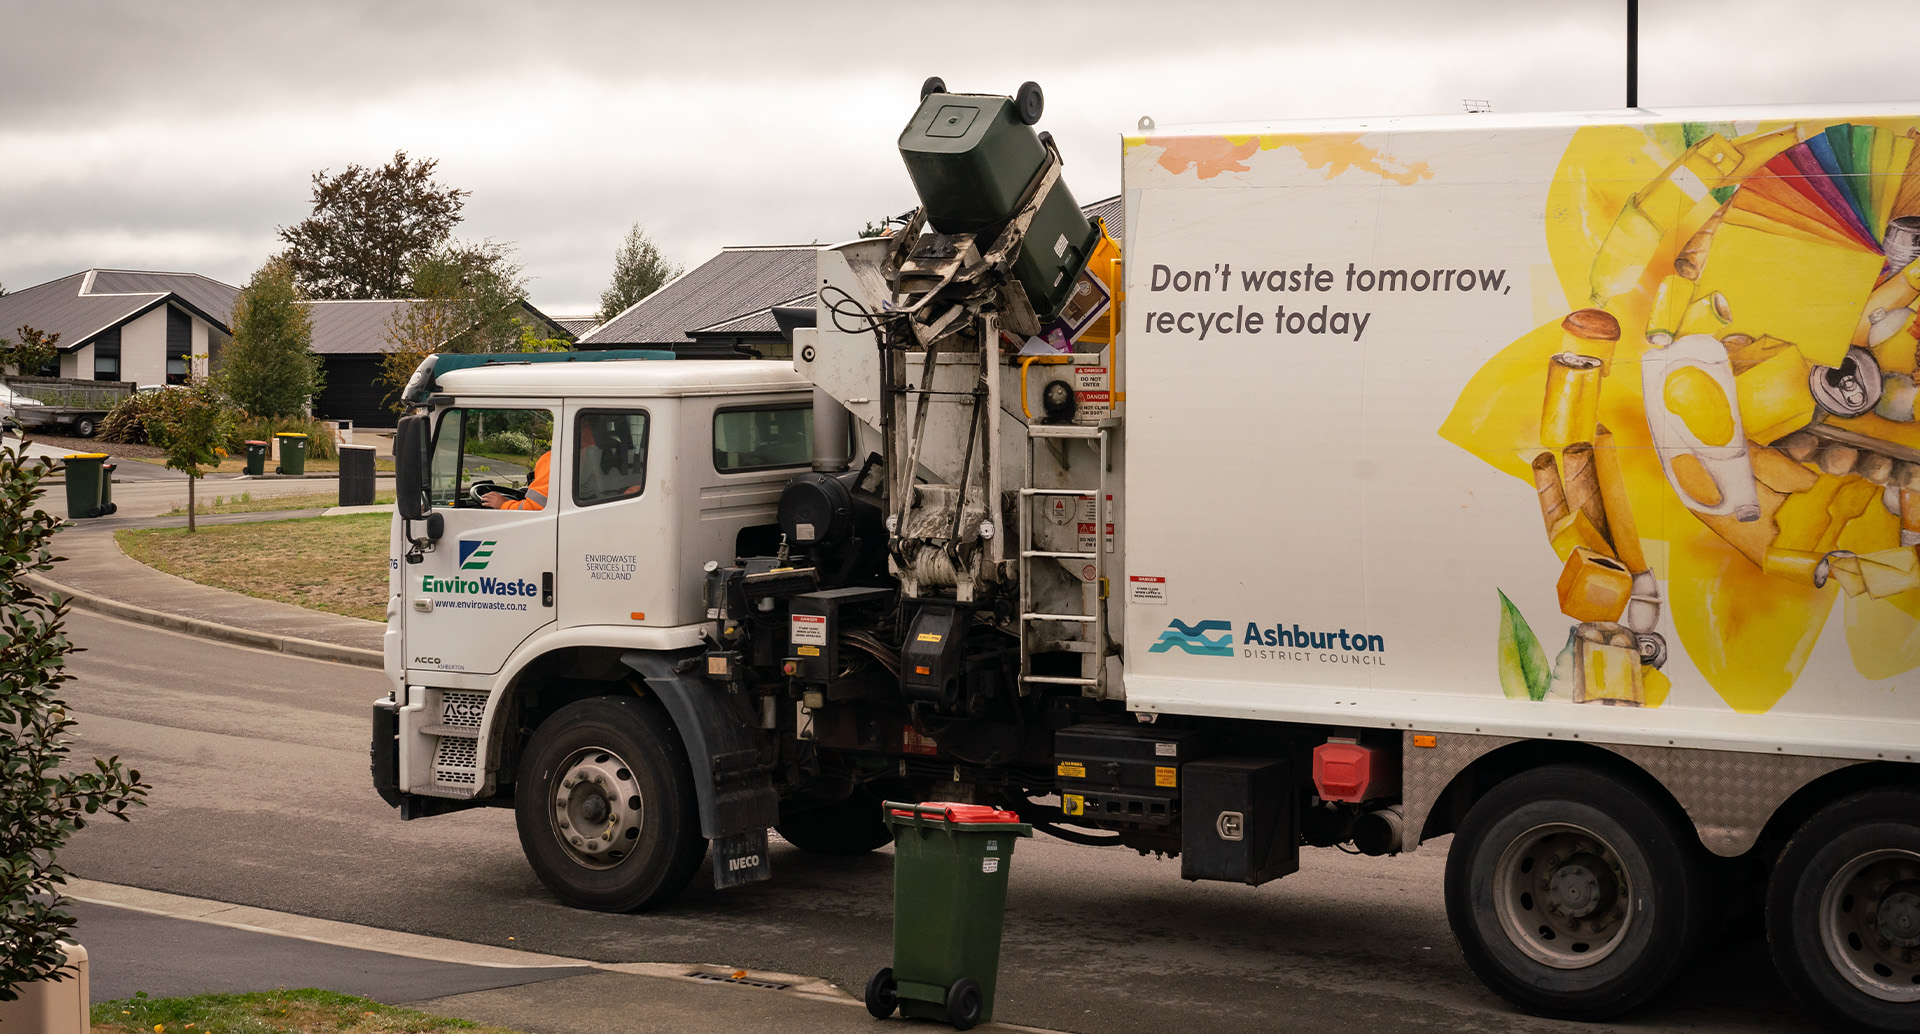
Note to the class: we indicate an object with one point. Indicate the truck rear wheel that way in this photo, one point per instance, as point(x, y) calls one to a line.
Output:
point(1843, 912)
point(846, 827)
point(84, 427)
point(1572, 895)
point(606, 808)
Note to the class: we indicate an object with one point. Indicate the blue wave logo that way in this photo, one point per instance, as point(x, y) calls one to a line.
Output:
point(1193, 638)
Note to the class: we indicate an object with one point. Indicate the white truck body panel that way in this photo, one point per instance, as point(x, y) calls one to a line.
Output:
point(1307, 478)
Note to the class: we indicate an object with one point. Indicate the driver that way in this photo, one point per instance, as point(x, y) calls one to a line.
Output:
point(536, 498)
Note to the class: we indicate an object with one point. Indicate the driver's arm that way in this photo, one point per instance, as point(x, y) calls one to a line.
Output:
point(536, 489)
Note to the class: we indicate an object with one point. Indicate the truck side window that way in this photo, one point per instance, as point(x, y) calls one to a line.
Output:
point(762, 438)
point(498, 446)
point(609, 455)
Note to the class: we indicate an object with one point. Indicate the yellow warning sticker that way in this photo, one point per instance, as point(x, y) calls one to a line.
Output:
point(928, 637)
point(809, 651)
point(1165, 777)
point(1072, 770)
point(1073, 804)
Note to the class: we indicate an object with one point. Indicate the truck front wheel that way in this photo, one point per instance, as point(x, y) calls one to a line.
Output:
point(84, 427)
point(1572, 894)
point(1843, 912)
point(606, 808)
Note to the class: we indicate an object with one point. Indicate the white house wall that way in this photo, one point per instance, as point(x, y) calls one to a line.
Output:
point(143, 349)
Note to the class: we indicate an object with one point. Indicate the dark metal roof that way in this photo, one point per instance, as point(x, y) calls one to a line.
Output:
point(82, 306)
point(360, 327)
point(578, 326)
point(352, 327)
point(759, 321)
point(737, 282)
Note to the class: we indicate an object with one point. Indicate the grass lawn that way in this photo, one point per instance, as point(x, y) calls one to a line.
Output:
point(305, 1011)
point(246, 503)
point(335, 564)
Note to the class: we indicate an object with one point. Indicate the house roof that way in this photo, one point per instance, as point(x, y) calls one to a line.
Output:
point(359, 327)
point(735, 283)
point(578, 326)
point(733, 294)
point(83, 306)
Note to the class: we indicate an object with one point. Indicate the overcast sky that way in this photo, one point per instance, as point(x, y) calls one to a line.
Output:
point(180, 135)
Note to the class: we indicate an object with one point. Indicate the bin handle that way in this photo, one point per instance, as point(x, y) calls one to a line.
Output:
point(920, 812)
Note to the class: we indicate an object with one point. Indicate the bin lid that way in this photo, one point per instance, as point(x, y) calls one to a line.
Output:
point(964, 814)
point(289, 434)
point(252, 442)
point(85, 456)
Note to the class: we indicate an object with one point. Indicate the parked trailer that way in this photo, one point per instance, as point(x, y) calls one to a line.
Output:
point(66, 402)
point(1266, 537)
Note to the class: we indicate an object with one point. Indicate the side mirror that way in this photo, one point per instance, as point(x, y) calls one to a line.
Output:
point(411, 442)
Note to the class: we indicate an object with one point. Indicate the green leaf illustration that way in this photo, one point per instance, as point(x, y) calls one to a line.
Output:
point(1524, 674)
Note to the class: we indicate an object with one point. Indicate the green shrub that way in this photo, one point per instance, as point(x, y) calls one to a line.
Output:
point(127, 423)
point(262, 429)
point(506, 443)
point(43, 799)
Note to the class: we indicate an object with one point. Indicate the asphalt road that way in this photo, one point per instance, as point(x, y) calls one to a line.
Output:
point(261, 797)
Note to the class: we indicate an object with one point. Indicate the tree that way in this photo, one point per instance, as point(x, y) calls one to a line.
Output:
point(467, 300)
point(192, 424)
point(269, 368)
point(42, 801)
point(638, 270)
point(31, 353)
point(369, 227)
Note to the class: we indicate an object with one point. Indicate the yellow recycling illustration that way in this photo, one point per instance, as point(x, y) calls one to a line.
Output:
point(1722, 427)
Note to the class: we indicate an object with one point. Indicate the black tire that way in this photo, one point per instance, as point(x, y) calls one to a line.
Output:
point(933, 85)
point(1843, 912)
point(85, 427)
point(882, 994)
point(1029, 102)
point(1573, 895)
point(965, 1003)
point(844, 828)
point(638, 792)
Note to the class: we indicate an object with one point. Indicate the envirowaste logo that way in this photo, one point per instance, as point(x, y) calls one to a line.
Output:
point(475, 554)
point(1193, 638)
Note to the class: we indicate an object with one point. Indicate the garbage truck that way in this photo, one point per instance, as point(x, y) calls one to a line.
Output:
point(1551, 483)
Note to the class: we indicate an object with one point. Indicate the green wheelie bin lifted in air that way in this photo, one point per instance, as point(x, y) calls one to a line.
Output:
point(950, 865)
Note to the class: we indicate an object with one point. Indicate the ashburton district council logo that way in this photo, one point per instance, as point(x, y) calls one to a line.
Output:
point(475, 554)
point(1191, 638)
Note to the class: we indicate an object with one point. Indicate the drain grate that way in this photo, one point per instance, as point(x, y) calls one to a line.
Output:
point(740, 978)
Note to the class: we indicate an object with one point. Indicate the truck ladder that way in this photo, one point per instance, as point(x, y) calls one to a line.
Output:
point(1093, 621)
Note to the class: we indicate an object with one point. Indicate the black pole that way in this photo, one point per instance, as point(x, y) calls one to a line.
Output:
point(1633, 53)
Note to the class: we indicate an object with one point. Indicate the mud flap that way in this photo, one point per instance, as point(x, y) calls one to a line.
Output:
point(737, 799)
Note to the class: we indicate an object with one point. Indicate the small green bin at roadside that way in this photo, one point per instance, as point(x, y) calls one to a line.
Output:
point(84, 478)
point(106, 489)
point(256, 458)
point(950, 866)
point(293, 452)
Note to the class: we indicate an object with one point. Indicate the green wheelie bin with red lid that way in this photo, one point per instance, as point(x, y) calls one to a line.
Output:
point(950, 866)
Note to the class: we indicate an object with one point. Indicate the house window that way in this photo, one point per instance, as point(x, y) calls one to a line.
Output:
point(179, 345)
point(106, 356)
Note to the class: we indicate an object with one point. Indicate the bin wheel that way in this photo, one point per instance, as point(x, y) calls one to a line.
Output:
point(1843, 912)
point(1573, 894)
point(965, 1002)
point(1029, 102)
point(84, 427)
point(605, 805)
point(882, 994)
point(933, 85)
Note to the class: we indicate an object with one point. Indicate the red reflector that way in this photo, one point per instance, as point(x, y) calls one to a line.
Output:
point(1342, 771)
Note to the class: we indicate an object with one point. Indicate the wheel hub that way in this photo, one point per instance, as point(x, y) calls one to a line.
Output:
point(1898, 917)
point(1870, 923)
point(597, 809)
point(1581, 886)
point(1560, 892)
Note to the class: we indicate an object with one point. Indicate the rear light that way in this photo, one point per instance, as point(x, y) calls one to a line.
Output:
point(1343, 770)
